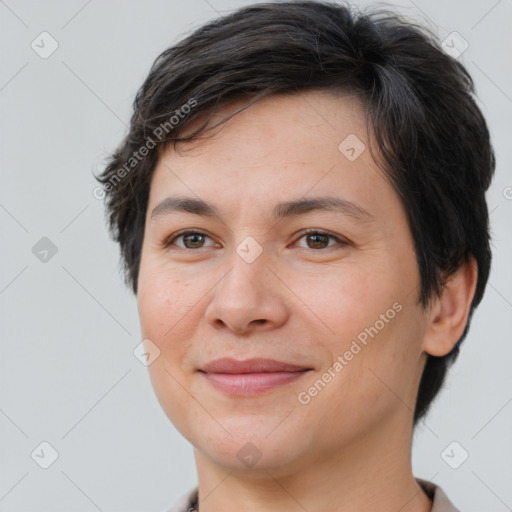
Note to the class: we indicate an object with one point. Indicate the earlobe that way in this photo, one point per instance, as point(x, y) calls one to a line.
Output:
point(449, 313)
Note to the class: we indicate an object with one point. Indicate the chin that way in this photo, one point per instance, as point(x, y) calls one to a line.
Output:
point(251, 453)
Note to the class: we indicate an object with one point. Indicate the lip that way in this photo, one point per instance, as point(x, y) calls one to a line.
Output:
point(252, 376)
point(258, 365)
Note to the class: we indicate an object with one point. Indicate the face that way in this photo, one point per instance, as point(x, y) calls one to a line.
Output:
point(329, 286)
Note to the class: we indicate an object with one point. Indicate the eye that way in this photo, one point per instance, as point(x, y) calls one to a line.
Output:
point(319, 239)
point(315, 239)
point(191, 240)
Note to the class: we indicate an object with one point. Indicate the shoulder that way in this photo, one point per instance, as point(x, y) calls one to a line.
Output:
point(186, 503)
point(440, 502)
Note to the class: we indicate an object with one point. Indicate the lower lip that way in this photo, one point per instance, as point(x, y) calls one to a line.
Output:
point(243, 384)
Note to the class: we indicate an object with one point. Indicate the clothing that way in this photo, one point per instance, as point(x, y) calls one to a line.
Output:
point(440, 502)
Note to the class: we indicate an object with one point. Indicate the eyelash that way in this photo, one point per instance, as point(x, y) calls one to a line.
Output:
point(304, 233)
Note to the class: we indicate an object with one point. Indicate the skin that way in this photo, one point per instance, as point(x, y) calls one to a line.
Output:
point(299, 301)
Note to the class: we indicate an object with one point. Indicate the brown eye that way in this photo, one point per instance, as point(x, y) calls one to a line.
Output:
point(189, 240)
point(316, 239)
point(193, 240)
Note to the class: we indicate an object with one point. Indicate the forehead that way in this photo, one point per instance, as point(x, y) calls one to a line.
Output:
point(280, 148)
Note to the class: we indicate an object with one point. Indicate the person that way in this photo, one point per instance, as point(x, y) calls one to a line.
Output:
point(300, 208)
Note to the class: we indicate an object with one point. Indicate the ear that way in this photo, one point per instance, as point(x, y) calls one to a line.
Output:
point(448, 314)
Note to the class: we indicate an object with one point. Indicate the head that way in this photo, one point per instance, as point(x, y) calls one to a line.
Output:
point(291, 101)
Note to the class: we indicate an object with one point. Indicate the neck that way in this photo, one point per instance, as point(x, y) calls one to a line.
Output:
point(372, 472)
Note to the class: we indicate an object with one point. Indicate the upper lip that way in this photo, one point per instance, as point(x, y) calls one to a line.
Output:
point(229, 365)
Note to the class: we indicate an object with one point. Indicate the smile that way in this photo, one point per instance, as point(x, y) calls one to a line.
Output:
point(247, 384)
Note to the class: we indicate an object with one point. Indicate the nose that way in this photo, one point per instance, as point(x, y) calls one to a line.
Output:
point(248, 298)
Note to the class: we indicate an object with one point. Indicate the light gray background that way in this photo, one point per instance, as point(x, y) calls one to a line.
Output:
point(67, 372)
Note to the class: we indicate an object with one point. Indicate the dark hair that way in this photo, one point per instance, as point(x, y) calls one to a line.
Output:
point(419, 105)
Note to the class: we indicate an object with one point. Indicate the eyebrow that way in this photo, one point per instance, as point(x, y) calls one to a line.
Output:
point(301, 206)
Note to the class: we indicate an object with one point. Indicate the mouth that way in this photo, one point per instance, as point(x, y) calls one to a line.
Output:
point(252, 376)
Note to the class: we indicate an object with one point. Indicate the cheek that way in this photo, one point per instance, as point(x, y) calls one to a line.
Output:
point(341, 299)
point(373, 327)
point(166, 311)
point(376, 378)
point(163, 300)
